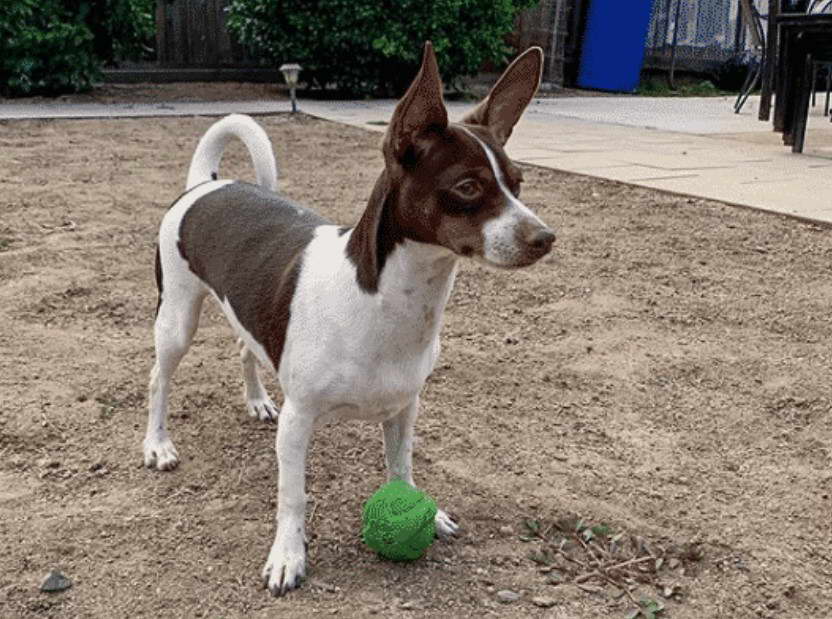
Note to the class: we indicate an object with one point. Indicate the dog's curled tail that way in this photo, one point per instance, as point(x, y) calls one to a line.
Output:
point(206, 160)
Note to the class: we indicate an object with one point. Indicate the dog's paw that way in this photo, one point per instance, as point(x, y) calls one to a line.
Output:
point(262, 408)
point(285, 569)
point(445, 526)
point(160, 453)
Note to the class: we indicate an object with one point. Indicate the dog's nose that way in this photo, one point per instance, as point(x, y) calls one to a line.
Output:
point(541, 239)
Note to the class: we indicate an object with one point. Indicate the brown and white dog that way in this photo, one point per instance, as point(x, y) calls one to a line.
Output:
point(348, 318)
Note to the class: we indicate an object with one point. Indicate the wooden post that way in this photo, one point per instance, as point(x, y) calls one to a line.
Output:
point(160, 31)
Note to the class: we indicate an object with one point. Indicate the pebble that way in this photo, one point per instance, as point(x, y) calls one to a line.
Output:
point(409, 606)
point(554, 578)
point(506, 596)
point(543, 602)
point(55, 581)
point(506, 530)
point(328, 587)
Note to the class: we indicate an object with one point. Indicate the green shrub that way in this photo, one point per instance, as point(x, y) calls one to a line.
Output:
point(373, 46)
point(49, 47)
point(122, 29)
point(44, 49)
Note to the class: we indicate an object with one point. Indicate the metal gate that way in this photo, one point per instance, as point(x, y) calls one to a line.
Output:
point(707, 32)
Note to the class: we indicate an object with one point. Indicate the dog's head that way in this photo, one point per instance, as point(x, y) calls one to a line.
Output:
point(452, 184)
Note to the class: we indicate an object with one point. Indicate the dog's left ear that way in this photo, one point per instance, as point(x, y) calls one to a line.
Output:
point(507, 101)
point(420, 110)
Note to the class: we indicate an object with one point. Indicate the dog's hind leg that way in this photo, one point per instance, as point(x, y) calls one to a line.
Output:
point(176, 323)
point(398, 454)
point(258, 402)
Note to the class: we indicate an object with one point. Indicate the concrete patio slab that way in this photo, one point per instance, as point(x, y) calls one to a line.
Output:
point(701, 115)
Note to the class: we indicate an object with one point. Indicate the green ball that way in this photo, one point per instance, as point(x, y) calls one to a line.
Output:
point(399, 521)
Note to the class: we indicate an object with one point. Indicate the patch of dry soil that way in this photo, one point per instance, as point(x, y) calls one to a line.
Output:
point(157, 93)
point(666, 372)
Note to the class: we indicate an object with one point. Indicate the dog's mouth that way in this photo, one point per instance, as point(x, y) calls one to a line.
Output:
point(520, 262)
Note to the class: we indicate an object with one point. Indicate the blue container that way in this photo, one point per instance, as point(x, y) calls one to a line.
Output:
point(613, 46)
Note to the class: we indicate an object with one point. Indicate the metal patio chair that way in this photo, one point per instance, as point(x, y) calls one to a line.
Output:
point(757, 31)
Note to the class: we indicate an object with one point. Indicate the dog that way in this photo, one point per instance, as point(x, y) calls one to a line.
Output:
point(348, 318)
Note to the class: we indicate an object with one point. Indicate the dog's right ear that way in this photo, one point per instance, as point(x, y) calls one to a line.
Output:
point(419, 111)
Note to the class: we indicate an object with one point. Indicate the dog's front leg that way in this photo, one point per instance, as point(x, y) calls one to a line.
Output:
point(398, 454)
point(398, 443)
point(286, 566)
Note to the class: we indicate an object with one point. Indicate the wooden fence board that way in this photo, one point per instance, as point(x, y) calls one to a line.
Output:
point(193, 34)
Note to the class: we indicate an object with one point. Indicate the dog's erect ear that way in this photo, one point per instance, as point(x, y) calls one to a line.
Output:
point(507, 101)
point(419, 111)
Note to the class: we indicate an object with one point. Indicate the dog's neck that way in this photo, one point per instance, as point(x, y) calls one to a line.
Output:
point(389, 262)
point(379, 235)
point(420, 270)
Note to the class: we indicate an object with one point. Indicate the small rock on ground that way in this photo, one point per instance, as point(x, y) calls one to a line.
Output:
point(543, 602)
point(55, 581)
point(506, 596)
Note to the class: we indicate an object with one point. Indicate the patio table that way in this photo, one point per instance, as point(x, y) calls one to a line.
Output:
point(803, 40)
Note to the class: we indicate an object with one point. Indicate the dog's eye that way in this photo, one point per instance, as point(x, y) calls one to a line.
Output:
point(468, 189)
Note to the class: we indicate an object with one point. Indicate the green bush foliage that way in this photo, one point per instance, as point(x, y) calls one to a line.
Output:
point(44, 49)
point(373, 47)
point(122, 29)
point(49, 47)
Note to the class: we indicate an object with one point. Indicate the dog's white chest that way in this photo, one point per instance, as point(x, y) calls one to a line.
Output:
point(353, 355)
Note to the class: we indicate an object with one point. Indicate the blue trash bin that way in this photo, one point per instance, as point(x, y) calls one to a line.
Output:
point(613, 47)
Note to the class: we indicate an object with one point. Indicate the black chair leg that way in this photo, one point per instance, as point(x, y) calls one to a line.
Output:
point(783, 99)
point(801, 110)
point(814, 81)
point(748, 87)
point(788, 95)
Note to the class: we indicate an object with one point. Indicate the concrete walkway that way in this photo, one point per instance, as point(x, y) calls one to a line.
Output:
point(692, 146)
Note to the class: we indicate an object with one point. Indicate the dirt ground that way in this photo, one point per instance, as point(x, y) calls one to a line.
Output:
point(665, 372)
point(156, 93)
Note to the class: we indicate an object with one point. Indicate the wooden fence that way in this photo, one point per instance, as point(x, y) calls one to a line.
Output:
point(193, 34)
point(546, 25)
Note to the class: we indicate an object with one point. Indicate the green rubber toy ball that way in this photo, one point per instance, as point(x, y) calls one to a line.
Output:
point(399, 521)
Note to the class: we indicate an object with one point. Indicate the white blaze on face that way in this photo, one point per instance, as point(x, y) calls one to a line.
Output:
point(502, 246)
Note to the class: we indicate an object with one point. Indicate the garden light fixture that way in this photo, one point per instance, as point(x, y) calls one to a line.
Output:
point(290, 74)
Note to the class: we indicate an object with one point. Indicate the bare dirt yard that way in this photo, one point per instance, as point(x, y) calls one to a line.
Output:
point(664, 376)
point(158, 93)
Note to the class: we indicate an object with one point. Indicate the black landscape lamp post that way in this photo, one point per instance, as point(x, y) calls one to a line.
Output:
point(290, 74)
